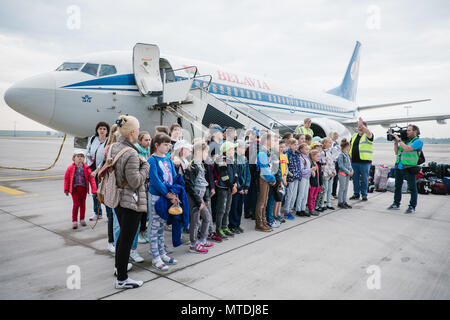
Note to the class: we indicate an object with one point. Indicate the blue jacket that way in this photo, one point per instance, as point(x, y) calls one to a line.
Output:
point(243, 173)
point(177, 222)
point(162, 175)
point(263, 165)
point(225, 173)
point(294, 165)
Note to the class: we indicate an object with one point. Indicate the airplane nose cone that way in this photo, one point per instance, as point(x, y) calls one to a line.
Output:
point(33, 97)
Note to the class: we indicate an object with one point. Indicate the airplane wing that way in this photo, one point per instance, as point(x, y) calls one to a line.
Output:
point(376, 106)
point(440, 118)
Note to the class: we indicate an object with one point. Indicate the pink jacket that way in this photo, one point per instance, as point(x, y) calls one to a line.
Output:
point(70, 173)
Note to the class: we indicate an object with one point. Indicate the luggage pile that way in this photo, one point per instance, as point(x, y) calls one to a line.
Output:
point(433, 178)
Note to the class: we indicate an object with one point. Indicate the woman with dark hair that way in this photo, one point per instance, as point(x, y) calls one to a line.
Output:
point(94, 159)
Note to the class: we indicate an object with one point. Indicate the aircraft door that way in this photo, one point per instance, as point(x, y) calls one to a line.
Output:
point(146, 69)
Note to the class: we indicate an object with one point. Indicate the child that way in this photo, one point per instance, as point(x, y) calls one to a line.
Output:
point(303, 187)
point(162, 174)
point(317, 145)
point(143, 144)
point(316, 183)
point(284, 162)
point(329, 172)
point(76, 182)
point(198, 194)
point(226, 186)
point(344, 174)
point(181, 155)
point(280, 175)
point(266, 181)
point(293, 178)
point(243, 184)
point(308, 140)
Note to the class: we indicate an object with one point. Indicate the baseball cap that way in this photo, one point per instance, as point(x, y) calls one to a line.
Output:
point(79, 151)
point(214, 129)
point(227, 145)
point(182, 144)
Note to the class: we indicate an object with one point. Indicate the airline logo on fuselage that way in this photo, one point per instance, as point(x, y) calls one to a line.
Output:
point(246, 81)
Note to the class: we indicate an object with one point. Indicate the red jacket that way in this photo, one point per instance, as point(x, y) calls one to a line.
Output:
point(70, 173)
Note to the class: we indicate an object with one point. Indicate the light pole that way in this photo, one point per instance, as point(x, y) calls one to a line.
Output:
point(407, 113)
point(14, 128)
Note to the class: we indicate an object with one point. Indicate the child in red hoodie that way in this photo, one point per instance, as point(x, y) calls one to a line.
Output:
point(76, 182)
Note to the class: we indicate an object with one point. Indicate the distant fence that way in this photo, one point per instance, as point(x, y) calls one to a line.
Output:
point(25, 133)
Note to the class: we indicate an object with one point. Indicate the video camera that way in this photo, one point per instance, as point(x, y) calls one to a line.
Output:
point(400, 131)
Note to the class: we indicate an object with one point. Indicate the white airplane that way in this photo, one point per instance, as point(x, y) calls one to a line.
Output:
point(167, 89)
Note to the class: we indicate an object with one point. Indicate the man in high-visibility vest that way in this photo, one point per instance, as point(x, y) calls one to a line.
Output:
point(408, 153)
point(305, 128)
point(361, 153)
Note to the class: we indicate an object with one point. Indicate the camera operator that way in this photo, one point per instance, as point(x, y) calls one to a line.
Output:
point(406, 166)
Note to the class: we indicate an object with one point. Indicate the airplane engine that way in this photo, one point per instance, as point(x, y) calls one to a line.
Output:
point(322, 127)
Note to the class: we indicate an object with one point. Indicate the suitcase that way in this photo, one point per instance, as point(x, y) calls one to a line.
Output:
point(381, 177)
point(438, 187)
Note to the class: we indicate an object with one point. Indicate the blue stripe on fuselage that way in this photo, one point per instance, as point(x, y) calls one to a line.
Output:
point(129, 80)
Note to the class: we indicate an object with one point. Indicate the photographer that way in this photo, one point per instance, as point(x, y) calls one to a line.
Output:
point(406, 166)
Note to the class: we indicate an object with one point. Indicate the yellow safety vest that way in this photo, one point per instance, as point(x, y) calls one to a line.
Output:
point(304, 130)
point(365, 147)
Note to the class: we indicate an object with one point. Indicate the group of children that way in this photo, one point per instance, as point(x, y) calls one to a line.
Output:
point(268, 178)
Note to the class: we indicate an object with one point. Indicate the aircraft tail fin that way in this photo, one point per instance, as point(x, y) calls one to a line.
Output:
point(349, 85)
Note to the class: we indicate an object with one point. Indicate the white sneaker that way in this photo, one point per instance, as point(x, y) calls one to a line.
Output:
point(141, 238)
point(111, 248)
point(93, 218)
point(135, 256)
point(275, 224)
point(128, 284)
point(129, 266)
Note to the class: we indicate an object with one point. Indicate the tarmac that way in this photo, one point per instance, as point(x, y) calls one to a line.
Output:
point(367, 252)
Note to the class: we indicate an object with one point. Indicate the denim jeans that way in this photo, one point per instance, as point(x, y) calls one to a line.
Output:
point(302, 195)
point(116, 229)
point(360, 178)
point(269, 206)
point(400, 175)
point(236, 209)
point(327, 188)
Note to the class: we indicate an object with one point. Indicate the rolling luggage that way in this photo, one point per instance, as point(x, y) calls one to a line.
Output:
point(381, 177)
point(438, 187)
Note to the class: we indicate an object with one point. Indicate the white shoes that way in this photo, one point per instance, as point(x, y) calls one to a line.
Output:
point(111, 248)
point(135, 256)
point(129, 266)
point(128, 284)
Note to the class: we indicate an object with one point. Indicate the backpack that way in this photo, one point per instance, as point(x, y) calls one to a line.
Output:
point(108, 193)
point(423, 186)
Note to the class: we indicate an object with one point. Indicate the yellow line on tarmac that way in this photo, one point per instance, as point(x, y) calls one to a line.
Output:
point(11, 191)
point(31, 178)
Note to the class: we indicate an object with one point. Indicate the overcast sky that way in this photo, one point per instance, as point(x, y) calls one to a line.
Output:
point(405, 44)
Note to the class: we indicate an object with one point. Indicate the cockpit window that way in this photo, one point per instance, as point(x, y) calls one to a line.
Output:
point(90, 68)
point(70, 66)
point(107, 69)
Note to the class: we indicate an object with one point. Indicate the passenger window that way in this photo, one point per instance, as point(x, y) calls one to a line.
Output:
point(107, 69)
point(90, 68)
